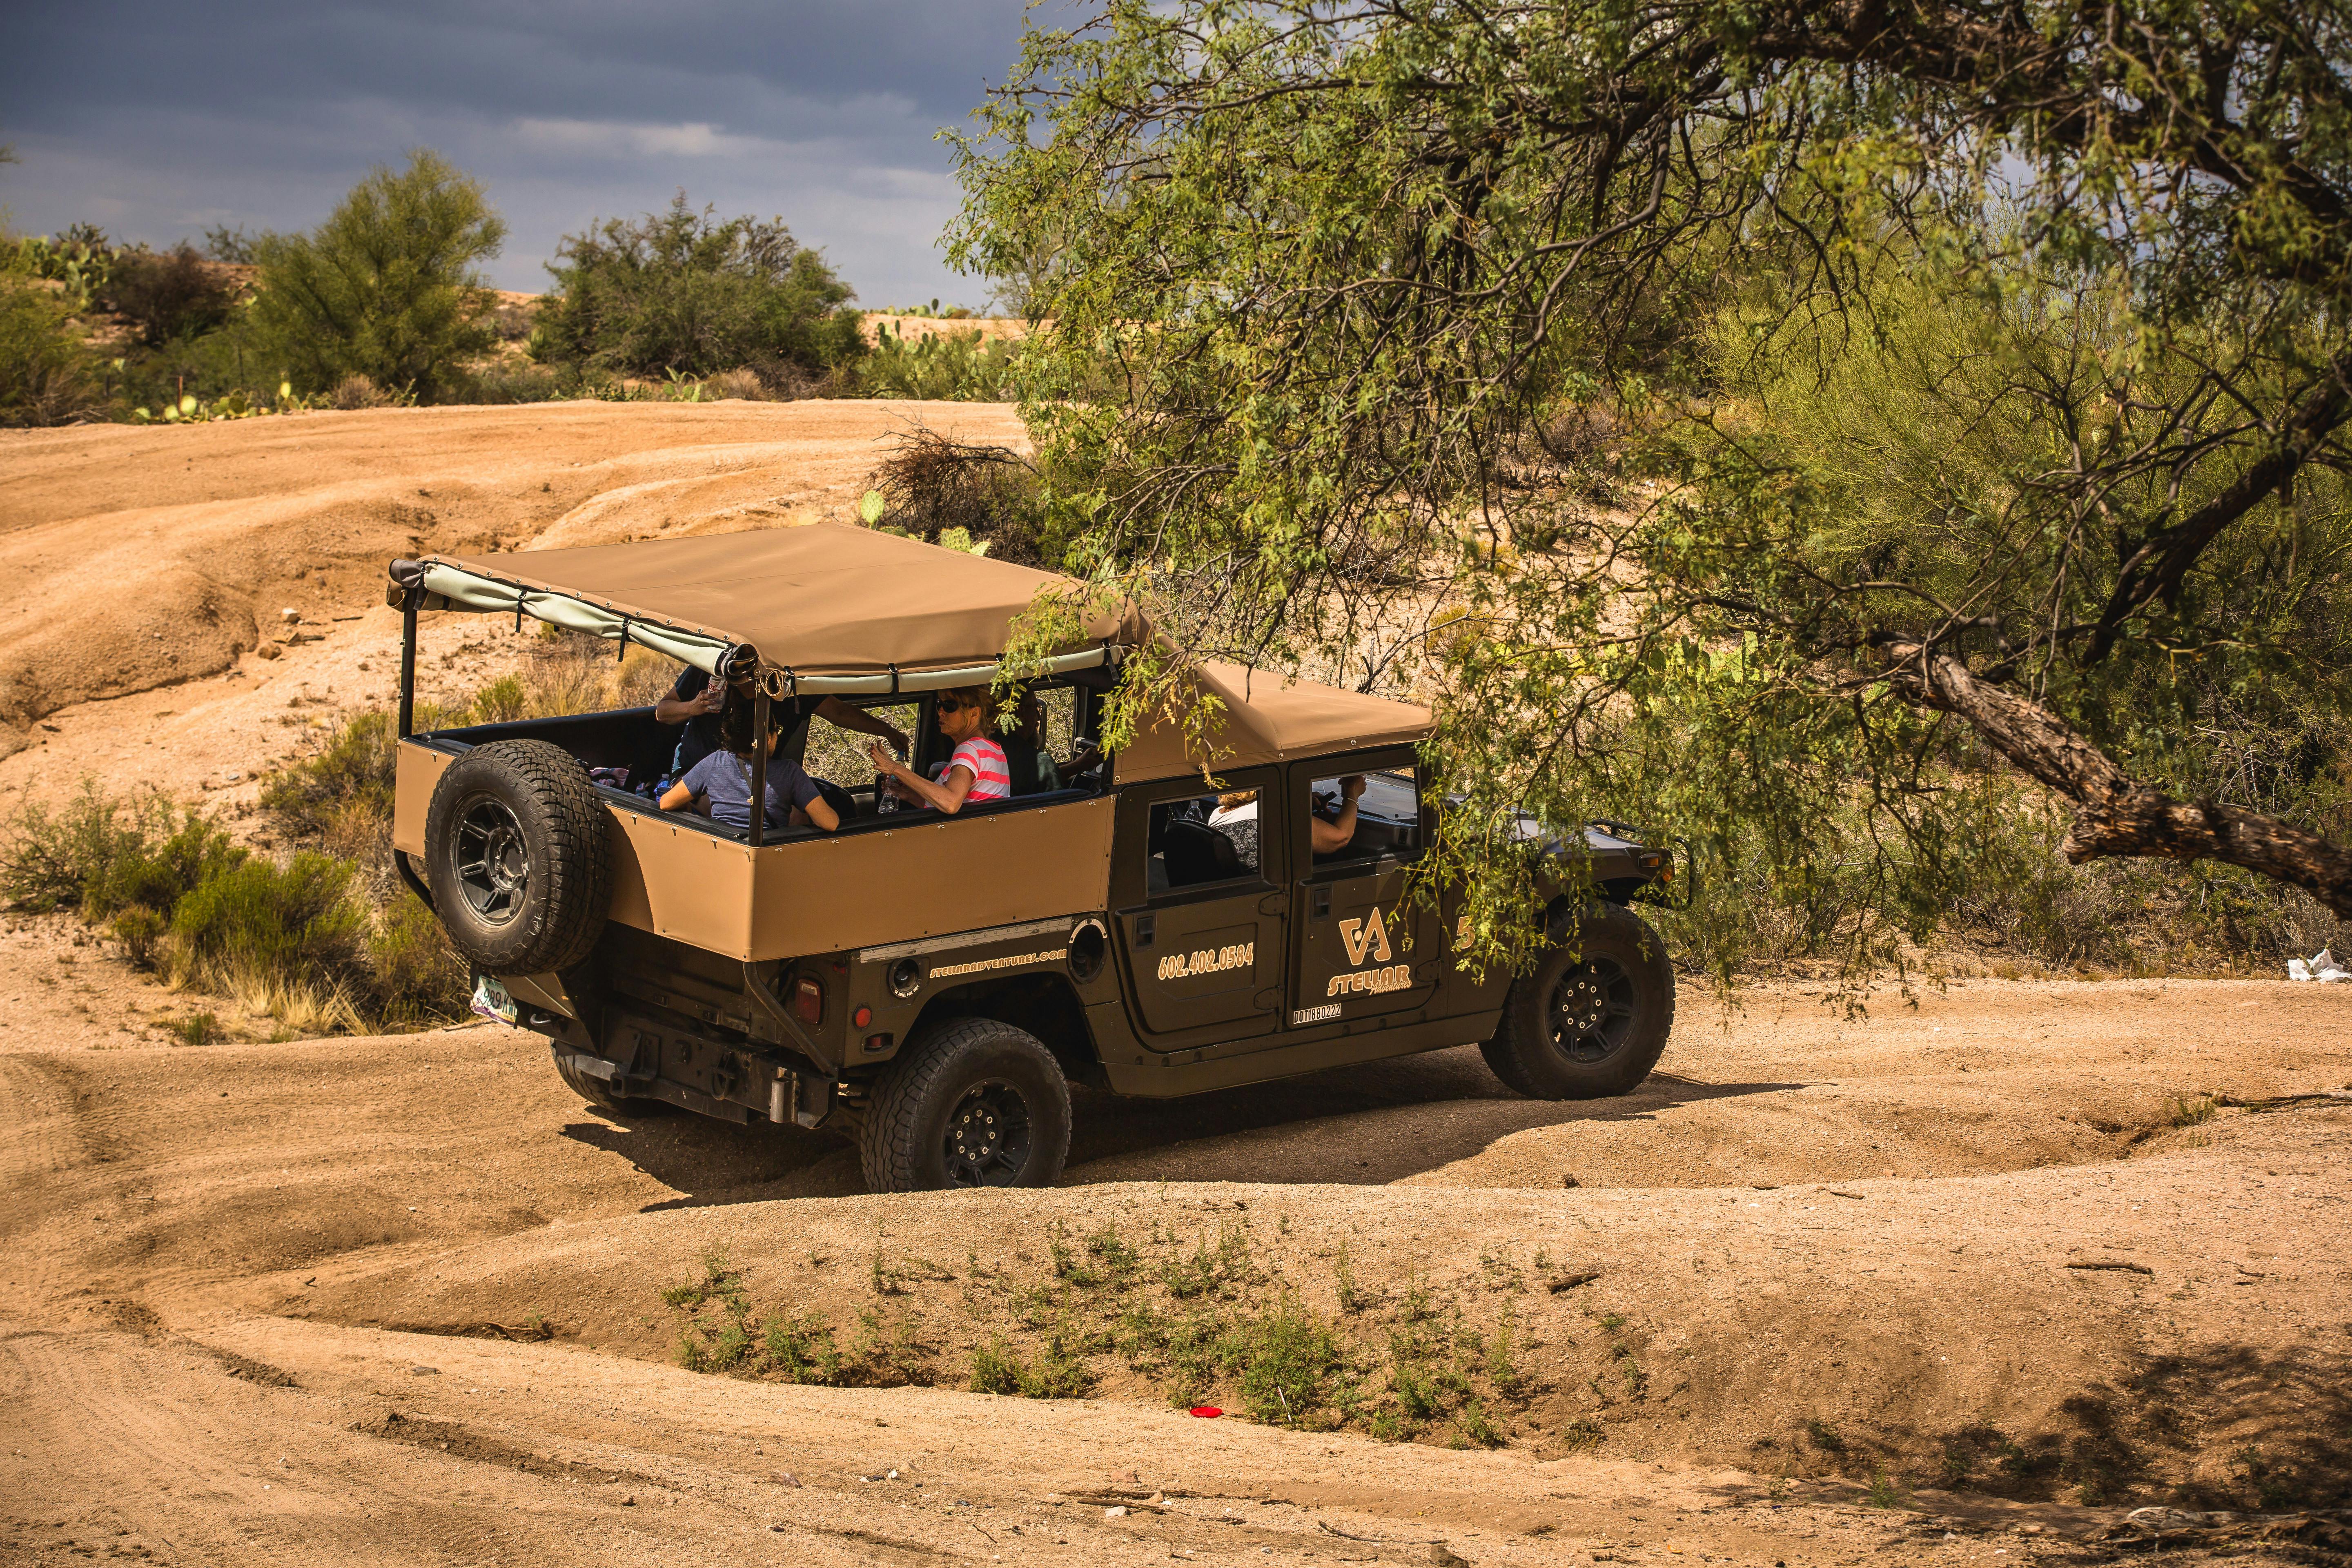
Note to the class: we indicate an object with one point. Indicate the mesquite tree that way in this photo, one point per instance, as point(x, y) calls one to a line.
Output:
point(1770, 418)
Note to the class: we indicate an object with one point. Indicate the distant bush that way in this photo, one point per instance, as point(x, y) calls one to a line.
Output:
point(46, 374)
point(385, 286)
point(679, 292)
point(414, 976)
point(520, 381)
point(947, 366)
point(164, 295)
point(99, 854)
point(934, 486)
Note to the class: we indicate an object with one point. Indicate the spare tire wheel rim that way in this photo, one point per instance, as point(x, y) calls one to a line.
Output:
point(493, 860)
point(1591, 1011)
point(988, 1136)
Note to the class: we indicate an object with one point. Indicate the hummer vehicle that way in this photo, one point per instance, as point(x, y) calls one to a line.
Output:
point(933, 982)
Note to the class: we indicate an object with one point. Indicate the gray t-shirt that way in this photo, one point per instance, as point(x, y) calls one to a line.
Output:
point(724, 782)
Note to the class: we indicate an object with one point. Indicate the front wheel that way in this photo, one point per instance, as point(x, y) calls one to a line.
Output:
point(975, 1102)
point(1593, 1018)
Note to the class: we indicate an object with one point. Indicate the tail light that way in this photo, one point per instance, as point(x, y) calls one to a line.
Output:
point(808, 1000)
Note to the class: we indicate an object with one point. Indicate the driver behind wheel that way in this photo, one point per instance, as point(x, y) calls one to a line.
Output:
point(720, 785)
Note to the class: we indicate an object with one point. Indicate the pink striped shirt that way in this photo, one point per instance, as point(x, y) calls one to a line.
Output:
point(992, 776)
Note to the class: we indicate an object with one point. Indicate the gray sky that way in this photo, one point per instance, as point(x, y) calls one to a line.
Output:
point(155, 120)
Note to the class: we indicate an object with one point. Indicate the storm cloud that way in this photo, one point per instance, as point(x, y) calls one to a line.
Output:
point(157, 120)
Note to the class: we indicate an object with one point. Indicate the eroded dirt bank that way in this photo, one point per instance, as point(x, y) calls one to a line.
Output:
point(226, 1262)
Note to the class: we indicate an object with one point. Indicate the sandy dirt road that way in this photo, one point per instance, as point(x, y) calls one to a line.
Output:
point(266, 1303)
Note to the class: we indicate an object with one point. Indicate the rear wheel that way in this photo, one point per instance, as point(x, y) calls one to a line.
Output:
point(1593, 1018)
point(975, 1102)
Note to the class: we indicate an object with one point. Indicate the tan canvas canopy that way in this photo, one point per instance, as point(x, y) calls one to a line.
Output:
point(841, 609)
point(1271, 718)
point(849, 610)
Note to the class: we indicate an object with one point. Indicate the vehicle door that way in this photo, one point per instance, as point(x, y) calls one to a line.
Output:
point(1361, 951)
point(1199, 909)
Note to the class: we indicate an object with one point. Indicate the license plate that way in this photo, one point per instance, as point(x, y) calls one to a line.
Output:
point(491, 1001)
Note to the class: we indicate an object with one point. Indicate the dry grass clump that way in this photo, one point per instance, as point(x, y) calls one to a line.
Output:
point(356, 391)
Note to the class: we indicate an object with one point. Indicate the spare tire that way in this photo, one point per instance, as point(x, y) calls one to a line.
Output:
point(514, 852)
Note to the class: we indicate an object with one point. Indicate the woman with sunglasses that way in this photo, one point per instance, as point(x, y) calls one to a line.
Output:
point(977, 769)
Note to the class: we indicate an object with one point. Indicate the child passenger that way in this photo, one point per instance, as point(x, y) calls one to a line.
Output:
point(720, 785)
point(976, 771)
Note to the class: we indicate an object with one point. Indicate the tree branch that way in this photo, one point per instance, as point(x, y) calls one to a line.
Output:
point(2117, 815)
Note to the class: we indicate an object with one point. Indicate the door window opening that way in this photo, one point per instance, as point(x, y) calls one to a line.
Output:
point(1202, 840)
point(1364, 816)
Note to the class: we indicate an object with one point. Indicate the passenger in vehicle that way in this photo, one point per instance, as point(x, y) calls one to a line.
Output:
point(1236, 818)
point(975, 771)
point(1334, 833)
point(720, 785)
point(699, 701)
point(1029, 766)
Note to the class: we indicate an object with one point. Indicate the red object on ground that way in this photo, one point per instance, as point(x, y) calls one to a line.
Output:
point(1207, 1410)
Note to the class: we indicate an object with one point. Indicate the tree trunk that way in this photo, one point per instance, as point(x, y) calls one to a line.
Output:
point(2118, 816)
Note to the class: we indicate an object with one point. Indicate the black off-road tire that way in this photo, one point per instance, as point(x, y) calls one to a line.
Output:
point(516, 855)
point(1591, 1019)
point(972, 1102)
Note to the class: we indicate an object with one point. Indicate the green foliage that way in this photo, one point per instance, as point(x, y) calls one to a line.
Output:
point(680, 292)
point(800, 1348)
point(101, 854)
point(385, 288)
point(1735, 429)
point(962, 367)
point(416, 978)
point(258, 919)
point(354, 773)
point(46, 374)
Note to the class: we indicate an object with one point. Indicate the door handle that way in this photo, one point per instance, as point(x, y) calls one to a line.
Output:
point(1146, 927)
point(1321, 904)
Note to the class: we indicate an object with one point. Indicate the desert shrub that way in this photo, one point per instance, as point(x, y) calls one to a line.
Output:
point(291, 925)
point(99, 853)
point(738, 383)
point(385, 286)
point(945, 366)
point(520, 381)
point(169, 294)
point(933, 483)
point(355, 392)
point(414, 976)
point(46, 374)
point(682, 292)
point(355, 772)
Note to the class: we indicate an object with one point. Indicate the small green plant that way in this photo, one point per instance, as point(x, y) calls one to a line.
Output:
point(1343, 1274)
point(1583, 1433)
point(1502, 1369)
point(2193, 1111)
point(799, 1347)
point(1478, 1428)
point(195, 1029)
point(1886, 1491)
